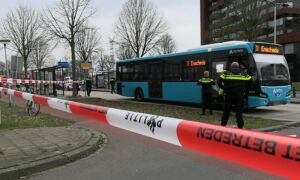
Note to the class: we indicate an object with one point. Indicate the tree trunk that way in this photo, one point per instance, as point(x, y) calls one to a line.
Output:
point(25, 66)
point(73, 67)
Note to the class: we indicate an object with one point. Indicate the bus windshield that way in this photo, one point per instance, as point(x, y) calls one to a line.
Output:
point(272, 69)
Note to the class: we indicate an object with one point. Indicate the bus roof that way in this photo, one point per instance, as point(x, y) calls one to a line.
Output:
point(206, 48)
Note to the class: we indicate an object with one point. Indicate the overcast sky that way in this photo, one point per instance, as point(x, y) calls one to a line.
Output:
point(183, 17)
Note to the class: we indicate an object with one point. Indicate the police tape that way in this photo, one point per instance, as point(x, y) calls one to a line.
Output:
point(27, 81)
point(275, 154)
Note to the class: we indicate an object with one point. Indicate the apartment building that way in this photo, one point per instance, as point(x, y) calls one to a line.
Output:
point(221, 21)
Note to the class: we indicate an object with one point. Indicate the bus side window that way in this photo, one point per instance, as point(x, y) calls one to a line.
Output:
point(119, 73)
point(199, 70)
point(128, 71)
point(172, 72)
point(139, 74)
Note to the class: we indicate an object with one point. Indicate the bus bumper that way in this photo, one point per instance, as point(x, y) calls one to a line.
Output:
point(255, 101)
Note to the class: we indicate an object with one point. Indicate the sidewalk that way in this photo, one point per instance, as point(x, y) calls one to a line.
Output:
point(26, 151)
point(296, 100)
point(99, 94)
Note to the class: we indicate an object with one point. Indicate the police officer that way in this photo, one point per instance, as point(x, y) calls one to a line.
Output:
point(234, 84)
point(112, 83)
point(207, 89)
point(88, 86)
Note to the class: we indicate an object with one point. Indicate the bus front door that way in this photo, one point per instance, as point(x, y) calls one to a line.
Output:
point(155, 80)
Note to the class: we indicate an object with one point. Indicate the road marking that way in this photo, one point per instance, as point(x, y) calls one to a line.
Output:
point(293, 135)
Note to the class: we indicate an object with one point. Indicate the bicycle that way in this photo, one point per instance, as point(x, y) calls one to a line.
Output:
point(32, 108)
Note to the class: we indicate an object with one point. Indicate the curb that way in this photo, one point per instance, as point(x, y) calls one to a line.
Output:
point(295, 102)
point(279, 127)
point(101, 90)
point(96, 142)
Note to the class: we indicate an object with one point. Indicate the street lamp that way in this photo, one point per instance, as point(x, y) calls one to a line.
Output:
point(5, 41)
point(274, 3)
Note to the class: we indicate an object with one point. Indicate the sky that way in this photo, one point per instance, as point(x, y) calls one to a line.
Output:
point(182, 16)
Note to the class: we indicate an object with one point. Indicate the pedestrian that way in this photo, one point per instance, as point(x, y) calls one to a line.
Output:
point(207, 90)
point(112, 83)
point(234, 84)
point(88, 84)
point(77, 87)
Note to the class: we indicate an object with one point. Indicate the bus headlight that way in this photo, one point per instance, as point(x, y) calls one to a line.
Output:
point(263, 95)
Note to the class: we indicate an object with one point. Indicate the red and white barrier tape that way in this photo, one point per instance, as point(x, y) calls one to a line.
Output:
point(26, 81)
point(275, 154)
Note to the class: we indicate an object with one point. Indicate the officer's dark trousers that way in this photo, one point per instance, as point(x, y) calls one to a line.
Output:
point(88, 90)
point(206, 102)
point(238, 102)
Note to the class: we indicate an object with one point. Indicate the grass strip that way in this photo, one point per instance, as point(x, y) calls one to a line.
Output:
point(178, 111)
point(17, 118)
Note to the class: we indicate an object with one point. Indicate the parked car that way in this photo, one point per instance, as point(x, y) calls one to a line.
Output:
point(68, 83)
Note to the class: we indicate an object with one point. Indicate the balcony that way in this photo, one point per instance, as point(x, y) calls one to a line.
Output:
point(285, 38)
point(218, 15)
point(216, 5)
point(282, 12)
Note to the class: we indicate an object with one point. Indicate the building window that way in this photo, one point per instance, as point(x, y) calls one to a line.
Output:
point(271, 23)
point(263, 12)
point(289, 48)
point(279, 32)
point(279, 22)
point(262, 37)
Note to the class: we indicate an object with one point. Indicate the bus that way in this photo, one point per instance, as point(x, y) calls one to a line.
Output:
point(174, 77)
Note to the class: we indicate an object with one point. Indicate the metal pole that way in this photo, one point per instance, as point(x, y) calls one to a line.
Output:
point(7, 74)
point(17, 65)
point(63, 79)
point(275, 23)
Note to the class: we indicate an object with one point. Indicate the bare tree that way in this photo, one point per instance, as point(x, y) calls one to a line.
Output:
point(104, 62)
point(87, 43)
point(124, 51)
point(248, 15)
point(140, 26)
point(65, 21)
point(166, 45)
point(22, 26)
point(41, 53)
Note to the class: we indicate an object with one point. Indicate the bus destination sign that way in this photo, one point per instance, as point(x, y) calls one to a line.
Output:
point(268, 49)
point(195, 63)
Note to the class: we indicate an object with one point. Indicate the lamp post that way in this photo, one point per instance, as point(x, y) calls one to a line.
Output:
point(5, 41)
point(274, 3)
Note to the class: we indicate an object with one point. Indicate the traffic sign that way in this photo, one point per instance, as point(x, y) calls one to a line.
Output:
point(63, 64)
point(86, 65)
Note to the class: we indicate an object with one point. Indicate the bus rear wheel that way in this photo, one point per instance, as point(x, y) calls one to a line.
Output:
point(245, 104)
point(139, 95)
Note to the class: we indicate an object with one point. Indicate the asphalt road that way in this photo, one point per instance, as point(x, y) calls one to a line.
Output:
point(129, 156)
point(291, 131)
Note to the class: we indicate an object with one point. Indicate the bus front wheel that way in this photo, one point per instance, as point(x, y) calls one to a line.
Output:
point(139, 95)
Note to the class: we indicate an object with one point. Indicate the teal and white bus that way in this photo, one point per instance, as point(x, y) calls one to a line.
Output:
point(173, 77)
